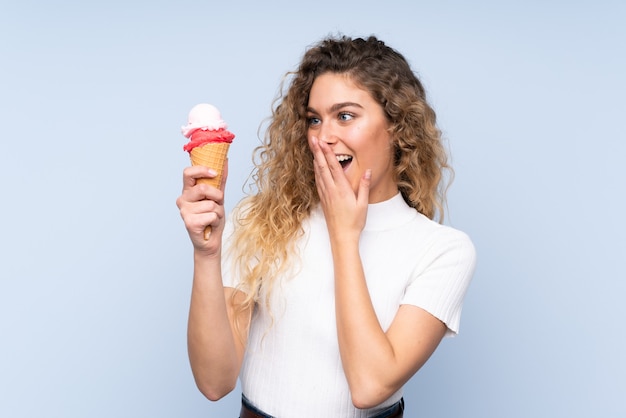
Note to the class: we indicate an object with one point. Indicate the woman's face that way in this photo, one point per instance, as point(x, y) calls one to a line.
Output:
point(354, 125)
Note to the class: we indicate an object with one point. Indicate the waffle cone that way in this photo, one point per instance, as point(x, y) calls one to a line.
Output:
point(211, 155)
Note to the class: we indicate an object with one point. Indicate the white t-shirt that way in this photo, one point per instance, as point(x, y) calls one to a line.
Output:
point(292, 366)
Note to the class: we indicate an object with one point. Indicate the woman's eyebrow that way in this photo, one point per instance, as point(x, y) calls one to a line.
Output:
point(337, 106)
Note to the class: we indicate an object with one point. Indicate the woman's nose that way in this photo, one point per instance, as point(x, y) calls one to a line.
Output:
point(327, 134)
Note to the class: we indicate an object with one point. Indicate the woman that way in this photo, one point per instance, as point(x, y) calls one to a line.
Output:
point(336, 282)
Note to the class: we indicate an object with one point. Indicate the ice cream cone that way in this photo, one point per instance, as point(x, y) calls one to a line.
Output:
point(209, 140)
point(211, 155)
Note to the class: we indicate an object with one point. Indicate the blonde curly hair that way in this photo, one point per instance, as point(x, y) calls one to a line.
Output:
point(268, 222)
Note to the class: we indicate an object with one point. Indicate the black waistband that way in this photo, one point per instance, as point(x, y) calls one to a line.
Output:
point(250, 411)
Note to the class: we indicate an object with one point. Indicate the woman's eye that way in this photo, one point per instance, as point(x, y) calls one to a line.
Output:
point(313, 121)
point(344, 116)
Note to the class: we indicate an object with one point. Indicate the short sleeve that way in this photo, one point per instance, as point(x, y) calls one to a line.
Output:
point(440, 280)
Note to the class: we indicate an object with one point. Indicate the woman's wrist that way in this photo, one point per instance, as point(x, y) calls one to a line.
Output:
point(201, 256)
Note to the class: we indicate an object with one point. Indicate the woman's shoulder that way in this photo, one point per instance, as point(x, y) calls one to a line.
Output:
point(444, 236)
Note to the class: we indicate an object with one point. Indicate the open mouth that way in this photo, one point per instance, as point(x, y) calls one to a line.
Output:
point(344, 160)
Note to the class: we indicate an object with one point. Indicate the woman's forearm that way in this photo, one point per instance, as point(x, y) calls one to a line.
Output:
point(214, 353)
point(366, 352)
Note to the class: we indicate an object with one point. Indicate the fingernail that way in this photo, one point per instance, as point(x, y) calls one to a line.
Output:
point(212, 172)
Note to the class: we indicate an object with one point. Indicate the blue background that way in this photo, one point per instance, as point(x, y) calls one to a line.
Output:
point(95, 268)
